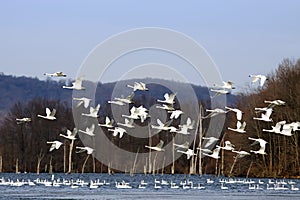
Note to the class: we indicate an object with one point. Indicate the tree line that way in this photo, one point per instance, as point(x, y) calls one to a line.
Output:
point(23, 147)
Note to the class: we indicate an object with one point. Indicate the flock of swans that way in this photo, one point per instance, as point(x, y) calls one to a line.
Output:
point(167, 104)
point(204, 183)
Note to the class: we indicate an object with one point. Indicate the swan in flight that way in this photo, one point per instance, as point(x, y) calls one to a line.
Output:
point(286, 130)
point(276, 128)
point(162, 126)
point(158, 147)
point(137, 113)
point(138, 86)
point(108, 123)
point(272, 104)
point(189, 124)
point(265, 116)
point(214, 112)
point(277, 102)
point(219, 92)
point(142, 113)
point(228, 146)
point(189, 153)
point(175, 114)
point(169, 99)
point(165, 107)
point(83, 100)
point(50, 115)
point(77, 85)
point(261, 78)
point(93, 112)
point(88, 150)
point(89, 130)
point(126, 100)
point(71, 135)
point(185, 127)
point(184, 130)
point(23, 120)
point(238, 112)
point(56, 74)
point(119, 103)
point(118, 130)
point(215, 153)
point(128, 123)
point(210, 141)
point(240, 128)
point(54, 145)
point(226, 85)
point(262, 144)
point(241, 154)
point(185, 145)
point(133, 113)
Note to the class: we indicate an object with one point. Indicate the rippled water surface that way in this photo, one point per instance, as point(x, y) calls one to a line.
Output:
point(237, 188)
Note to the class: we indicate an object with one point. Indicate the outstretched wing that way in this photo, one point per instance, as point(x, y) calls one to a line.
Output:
point(161, 144)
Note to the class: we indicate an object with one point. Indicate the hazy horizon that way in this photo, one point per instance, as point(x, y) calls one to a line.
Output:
point(241, 37)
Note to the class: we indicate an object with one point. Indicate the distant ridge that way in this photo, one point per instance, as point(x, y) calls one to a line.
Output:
point(23, 89)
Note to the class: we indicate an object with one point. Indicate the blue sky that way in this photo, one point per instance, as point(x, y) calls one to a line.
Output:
point(242, 37)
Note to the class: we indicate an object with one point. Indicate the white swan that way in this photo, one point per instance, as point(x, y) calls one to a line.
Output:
point(71, 135)
point(127, 100)
point(265, 116)
point(228, 146)
point(133, 113)
point(219, 92)
point(175, 114)
point(241, 154)
point(138, 86)
point(238, 112)
point(277, 102)
point(183, 146)
point(54, 145)
point(158, 147)
point(214, 112)
point(286, 130)
point(262, 144)
point(118, 130)
point(189, 124)
point(89, 130)
point(276, 128)
point(226, 85)
point(50, 115)
point(77, 85)
point(119, 103)
point(23, 120)
point(83, 100)
point(165, 107)
point(108, 123)
point(93, 112)
point(88, 150)
point(261, 78)
point(240, 128)
point(189, 153)
point(184, 128)
point(161, 126)
point(215, 153)
point(56, 74)
point(128, 123)
point(142, 113)
point(169, 99)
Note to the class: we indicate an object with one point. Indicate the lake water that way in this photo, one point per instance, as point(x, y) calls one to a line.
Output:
point(77, 186)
